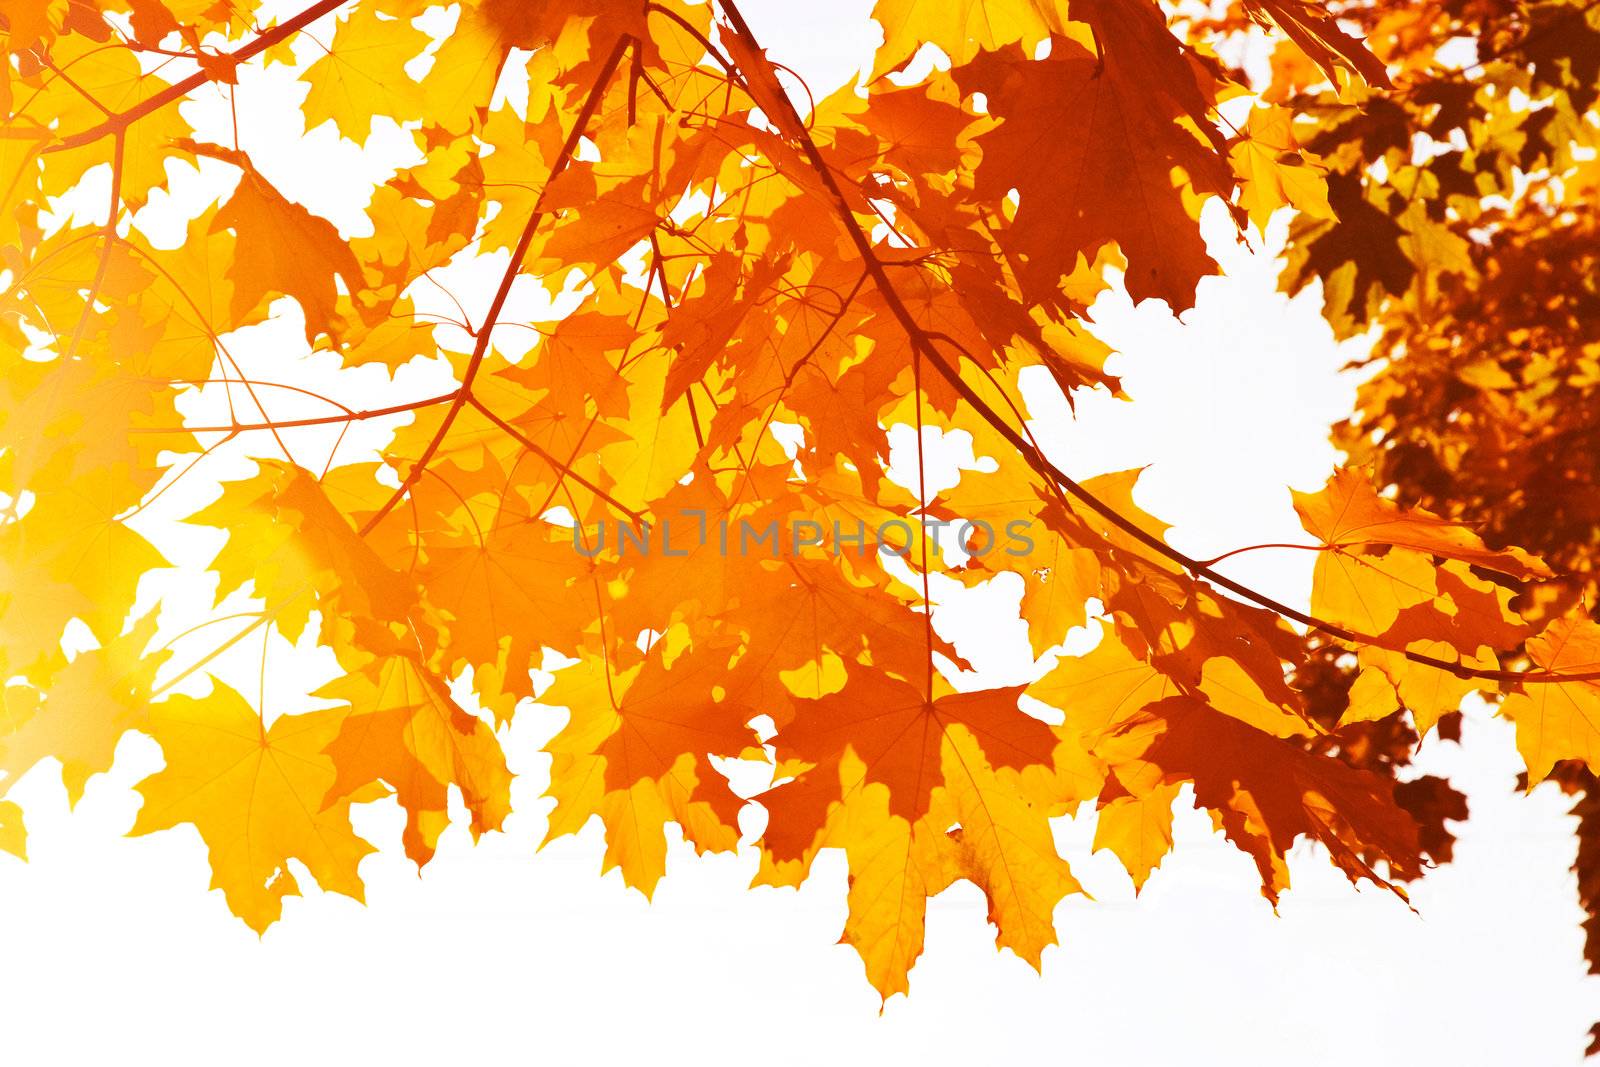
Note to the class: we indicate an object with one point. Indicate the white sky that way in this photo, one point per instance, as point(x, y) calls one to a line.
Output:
point(114, 951)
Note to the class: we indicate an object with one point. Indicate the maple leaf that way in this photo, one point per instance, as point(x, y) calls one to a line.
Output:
point(284, 248)
point(390, 335)
point(897, 733)
point(72, 559)
point(895, 867)
point(102, 694)
point(360, 76)
point(1004, 846)
point(1560, 720)
point(1356, 586)
point(1360, 257)
point(292, 544)
point(255, 794)
point(961, 29)
point(1388, 680)
point(1349, 513)
point(1060, 118)
point(1274, 171)
point(1316, 31)
point(620, 757)
point(403, 728)
point(1138, 830)
point(1265, 793)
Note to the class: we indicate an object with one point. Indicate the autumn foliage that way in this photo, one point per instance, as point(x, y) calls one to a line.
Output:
point(747, 288)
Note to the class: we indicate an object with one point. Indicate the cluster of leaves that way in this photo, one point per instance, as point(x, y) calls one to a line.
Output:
point(726, 264)
point(1465, 237)
point(1465, 243)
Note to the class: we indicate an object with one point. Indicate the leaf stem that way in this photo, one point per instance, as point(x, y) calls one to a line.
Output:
point(346, 416)
point(1213, 561)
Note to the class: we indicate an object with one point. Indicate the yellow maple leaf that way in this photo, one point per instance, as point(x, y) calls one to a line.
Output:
point(1275, 171)
point(256, 796)
point(1560, 720)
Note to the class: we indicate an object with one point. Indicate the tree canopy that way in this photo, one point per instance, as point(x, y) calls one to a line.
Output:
point(672, 492)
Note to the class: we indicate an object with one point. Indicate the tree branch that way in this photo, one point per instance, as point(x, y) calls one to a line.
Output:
point(177, 90)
